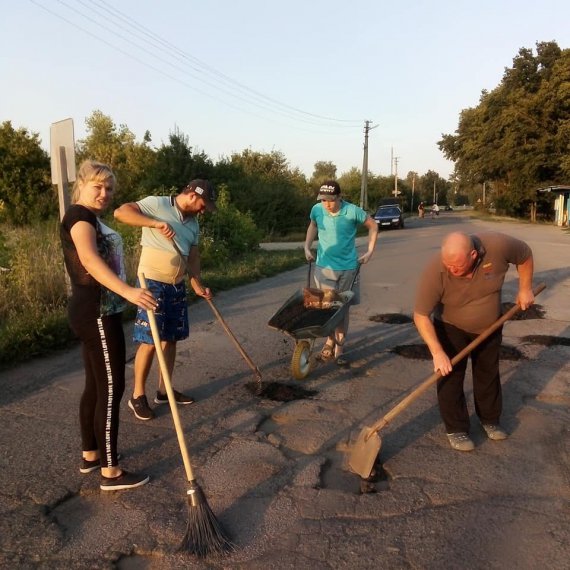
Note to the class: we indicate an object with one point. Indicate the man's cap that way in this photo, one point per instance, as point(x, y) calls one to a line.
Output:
point(330, 190)
point(206, 190)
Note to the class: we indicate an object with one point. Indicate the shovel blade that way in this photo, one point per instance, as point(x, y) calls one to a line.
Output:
point(364, 453)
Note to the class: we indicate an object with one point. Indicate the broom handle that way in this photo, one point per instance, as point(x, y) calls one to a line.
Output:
point(221, 319)
point(437, 375)
point(169, 390)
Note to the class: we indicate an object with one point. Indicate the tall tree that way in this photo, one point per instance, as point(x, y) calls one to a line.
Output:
point(323, 170)
point(117, 146)
point(26, 193)
point(350, 184)
point(264, 185)
point(517, 138)
point(176, 164)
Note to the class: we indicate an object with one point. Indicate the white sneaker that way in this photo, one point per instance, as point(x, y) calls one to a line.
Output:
point(460, 441)
point(495, 432)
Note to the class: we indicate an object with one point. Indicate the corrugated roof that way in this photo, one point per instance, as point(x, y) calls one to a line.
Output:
point(556, 189)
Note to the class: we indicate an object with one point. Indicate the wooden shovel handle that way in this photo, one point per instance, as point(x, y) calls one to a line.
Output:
point(437, 375)
point(169, 390)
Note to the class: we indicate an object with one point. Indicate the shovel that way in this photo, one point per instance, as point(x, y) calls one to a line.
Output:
point(366, 448)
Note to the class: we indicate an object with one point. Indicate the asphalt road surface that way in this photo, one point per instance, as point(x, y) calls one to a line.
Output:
point(274, 471)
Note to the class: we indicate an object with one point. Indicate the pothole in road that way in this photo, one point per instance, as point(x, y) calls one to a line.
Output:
point(279, 392)
point(391, 318)
point(533, 312)
point(414, 351)
point(511, 353)
point(546, 340)
point(337, 479)
point(378, 481)
point(421, 352)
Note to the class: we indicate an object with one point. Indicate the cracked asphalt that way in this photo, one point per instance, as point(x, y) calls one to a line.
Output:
point(274, 472)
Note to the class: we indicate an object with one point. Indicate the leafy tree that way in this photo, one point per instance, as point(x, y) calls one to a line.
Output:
point(379, 187)
point(117, 147)
point(323, 170)
point(26, 193)
point(227, 232)
point(176, 164)
point(430, 184)
point(351, 184)
point(264, 185)
point(105, 141)
point(518, 137)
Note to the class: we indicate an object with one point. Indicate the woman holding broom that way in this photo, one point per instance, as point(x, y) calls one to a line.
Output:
point(93, 256)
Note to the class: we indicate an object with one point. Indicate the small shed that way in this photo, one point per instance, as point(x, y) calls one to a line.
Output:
point(561, 204)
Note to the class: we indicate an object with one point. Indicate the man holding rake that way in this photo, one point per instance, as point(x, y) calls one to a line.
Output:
point(164, 219)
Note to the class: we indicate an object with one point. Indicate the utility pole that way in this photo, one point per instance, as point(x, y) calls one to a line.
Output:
point(391, 161)
point(483, 193)
point(413, 190)
point(434, 197)
point(364, 184)
point(396, 191)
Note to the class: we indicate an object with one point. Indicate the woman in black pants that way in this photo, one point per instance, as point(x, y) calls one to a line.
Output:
point(93, 256)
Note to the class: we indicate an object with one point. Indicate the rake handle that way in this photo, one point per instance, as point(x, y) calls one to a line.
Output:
point(221, 319)
point(169, 390)
point(437, 375)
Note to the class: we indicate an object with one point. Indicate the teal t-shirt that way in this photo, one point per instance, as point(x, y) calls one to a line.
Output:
point(163, 208)
point(336, 235)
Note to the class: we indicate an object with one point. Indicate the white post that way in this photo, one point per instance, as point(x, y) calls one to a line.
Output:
point(62, 145)
point(413, 189)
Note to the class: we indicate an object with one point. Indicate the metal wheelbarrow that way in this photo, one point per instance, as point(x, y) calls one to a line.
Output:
point(305, 324)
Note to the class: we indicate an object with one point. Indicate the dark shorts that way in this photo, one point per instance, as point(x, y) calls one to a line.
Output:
point(171, 313)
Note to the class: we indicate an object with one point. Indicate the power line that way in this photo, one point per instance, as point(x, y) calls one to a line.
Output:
point(266, 104)
point(208, 69)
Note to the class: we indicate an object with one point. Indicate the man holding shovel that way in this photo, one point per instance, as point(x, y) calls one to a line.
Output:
point(163, 219)
point(335, 222)
point(461, 286)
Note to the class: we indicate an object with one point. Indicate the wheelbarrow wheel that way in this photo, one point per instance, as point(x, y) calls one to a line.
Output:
point(301, 361)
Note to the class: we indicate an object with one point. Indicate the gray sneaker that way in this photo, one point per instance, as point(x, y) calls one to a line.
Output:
point(495, 432)
point(460, 441)
point(140, 408)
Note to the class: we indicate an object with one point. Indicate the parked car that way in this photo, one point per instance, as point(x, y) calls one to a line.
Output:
point(389, 217)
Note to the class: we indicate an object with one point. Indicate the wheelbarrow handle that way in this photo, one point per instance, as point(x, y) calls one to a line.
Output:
point(437, 375)
point(355, 277)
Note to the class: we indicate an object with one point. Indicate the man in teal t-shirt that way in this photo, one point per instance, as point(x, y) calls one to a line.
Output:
point(335, 222)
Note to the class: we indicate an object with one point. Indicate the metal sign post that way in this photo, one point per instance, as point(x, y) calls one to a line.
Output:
point(62, 145)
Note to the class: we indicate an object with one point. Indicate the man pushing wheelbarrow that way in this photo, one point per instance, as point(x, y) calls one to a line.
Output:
point(334, 222)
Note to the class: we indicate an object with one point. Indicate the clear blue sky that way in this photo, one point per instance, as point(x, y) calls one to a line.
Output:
point(299, 76)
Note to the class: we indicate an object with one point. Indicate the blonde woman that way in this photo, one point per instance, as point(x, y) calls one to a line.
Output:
point(93, 256)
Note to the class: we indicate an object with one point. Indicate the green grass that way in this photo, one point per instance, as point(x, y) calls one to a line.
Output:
point(4, 253)
point(33, 299)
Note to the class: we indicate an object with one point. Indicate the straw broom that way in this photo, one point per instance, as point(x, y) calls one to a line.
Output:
point(204, 534)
